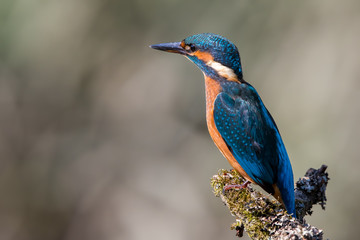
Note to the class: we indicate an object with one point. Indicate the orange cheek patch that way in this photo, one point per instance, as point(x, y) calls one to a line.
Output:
point(204, 56)
point(182, 44)
point(222, 70)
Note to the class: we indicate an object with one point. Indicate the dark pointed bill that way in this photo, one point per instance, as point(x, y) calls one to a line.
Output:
point(173, 47)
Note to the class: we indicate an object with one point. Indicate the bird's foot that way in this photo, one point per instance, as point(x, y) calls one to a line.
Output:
point(236, 186)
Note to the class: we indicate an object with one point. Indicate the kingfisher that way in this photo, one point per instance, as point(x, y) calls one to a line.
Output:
point(238, 121)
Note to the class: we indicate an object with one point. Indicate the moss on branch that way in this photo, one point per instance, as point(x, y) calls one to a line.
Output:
point(262, 217)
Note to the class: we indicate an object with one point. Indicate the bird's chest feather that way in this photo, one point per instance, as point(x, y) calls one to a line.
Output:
point(212, 89)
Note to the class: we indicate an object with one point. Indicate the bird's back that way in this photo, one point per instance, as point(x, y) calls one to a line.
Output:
point(249, 138)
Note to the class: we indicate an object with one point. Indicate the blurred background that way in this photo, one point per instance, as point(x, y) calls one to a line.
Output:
point(102, 137)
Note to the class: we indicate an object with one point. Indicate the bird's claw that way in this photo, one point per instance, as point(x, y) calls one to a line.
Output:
point(236, 186)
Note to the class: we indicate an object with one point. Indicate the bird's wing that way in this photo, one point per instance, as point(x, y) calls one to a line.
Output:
point(251, 135)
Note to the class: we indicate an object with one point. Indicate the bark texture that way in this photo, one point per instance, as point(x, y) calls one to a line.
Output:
point(263, 217)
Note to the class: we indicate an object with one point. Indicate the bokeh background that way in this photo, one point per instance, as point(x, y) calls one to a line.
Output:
point(102, 137)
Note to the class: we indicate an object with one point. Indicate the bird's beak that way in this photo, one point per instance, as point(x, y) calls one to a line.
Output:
point(174, 47)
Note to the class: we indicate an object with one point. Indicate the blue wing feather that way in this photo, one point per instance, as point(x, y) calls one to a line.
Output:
point(239, 123)
point(252, 136)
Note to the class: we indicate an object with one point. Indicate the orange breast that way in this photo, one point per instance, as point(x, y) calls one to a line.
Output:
point(212, 89)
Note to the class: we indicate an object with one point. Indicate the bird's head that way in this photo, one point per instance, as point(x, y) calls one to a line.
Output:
point(215, 55)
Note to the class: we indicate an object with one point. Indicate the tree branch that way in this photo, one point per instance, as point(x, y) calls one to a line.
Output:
point(262, 217)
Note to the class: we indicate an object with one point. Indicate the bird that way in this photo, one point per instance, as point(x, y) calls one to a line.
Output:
point(238, 121)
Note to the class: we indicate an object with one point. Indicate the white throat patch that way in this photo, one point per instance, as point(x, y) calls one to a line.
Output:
point(222, 70)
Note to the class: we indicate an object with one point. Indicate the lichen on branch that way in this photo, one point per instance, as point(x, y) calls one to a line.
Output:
point(263, 217)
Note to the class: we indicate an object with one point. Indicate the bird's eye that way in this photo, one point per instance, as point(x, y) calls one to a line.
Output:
point(190, 47)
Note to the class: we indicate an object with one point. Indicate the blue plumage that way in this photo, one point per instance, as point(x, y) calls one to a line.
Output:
point(252, 136)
